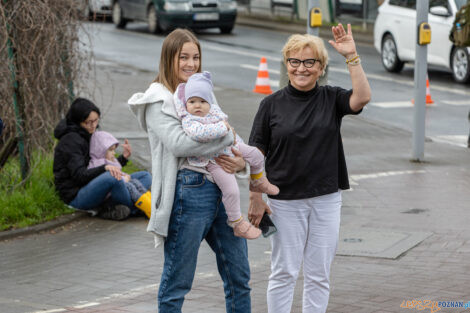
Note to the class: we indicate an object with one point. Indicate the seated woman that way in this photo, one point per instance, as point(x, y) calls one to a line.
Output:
point(83, 188)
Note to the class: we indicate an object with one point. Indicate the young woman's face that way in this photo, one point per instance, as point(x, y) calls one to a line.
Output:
point(188, 61)
point(303, 78)
point(198, 106)
point(91, 122)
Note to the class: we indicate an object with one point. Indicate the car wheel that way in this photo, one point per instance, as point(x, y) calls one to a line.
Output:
point(460, 65)
point(226, 29)
point(118, 19)
point(390, 59)
point(152, 20)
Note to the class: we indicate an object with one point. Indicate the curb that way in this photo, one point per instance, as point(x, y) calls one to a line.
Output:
point(62, 220)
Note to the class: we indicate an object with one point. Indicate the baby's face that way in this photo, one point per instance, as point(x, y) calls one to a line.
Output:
point(110, 153)
point(198, 106)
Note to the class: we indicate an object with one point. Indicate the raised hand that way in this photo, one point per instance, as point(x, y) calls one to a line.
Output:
point(127, 149)
point(343, 42)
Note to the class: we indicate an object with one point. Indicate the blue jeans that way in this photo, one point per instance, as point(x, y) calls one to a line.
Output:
point(94, 193)
point(198, 213)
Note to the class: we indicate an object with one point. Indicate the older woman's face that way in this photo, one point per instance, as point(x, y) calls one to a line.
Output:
point(91, 122)
point(188, 62)
point(301, 77)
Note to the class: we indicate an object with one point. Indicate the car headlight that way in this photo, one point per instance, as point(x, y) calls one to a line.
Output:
point(176, 6)
point(228, 5)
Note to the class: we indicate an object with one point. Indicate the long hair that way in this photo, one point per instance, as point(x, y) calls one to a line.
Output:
point(172, 45)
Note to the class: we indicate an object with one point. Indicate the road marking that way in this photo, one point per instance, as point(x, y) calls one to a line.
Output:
point(252, 67)
point(392, 104)
point(457, 102)
point(240, 52)
point(272, 82)
point(133, 293)
point(358, 177)
point(456, 140)
point(86, 305)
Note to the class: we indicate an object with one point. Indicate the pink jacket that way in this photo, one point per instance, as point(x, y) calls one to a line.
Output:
point(100, 142)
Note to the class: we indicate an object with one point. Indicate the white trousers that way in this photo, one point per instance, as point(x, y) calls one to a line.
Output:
point(307, 231)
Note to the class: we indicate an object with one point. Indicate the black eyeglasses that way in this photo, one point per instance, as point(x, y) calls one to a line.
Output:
point(308, 63)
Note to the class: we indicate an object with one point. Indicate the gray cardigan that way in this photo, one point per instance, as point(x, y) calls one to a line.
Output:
point(169, 146)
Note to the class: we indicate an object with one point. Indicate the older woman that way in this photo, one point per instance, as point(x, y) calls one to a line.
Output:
point(298, 129)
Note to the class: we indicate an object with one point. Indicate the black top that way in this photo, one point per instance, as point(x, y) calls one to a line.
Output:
point(299, 132)
point(71, 158)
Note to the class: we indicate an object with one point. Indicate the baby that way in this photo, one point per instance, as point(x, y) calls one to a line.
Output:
point(203, 120)
point(102, 151)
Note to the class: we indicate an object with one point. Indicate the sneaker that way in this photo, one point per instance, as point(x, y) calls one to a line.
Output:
point(264, 186)
point(244, 229)
point(115, 212)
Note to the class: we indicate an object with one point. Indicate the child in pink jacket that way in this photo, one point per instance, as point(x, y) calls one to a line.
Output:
point(102, 152)
point(203, 121)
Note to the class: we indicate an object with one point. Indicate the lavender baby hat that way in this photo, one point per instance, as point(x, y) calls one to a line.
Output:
point(199, 85)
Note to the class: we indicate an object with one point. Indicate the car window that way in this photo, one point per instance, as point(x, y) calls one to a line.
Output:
point(410, 4)
point(439, 3)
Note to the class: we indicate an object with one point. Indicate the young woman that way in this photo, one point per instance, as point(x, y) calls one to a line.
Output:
point(79, 186)
point(298, 129)
point(186, 204)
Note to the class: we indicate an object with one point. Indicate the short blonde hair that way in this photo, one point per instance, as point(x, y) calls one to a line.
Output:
point(299, 42)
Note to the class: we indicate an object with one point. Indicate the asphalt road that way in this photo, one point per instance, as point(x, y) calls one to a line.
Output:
point(233, 59)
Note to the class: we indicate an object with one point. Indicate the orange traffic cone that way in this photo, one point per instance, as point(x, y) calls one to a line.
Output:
point(262, 80)
point(429, 100)
point(428, 92)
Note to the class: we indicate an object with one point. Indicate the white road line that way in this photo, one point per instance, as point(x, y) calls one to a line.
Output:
point(457, 102)
point(133, 293)
point(456, 140)
point(241, 52)
point(384, 174)
point(272, 82)
point(252, 67)
point(392, 104)
point(86, 305)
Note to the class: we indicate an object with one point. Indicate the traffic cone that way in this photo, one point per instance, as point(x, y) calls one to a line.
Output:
point(262, 80)
point(429, 100)
point(428, 92)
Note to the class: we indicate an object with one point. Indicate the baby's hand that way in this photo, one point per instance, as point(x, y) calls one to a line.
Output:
point(126, 177)
point(233, 130)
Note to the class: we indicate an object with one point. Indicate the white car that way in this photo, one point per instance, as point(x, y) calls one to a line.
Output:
point(100, 7)
point(395, 36)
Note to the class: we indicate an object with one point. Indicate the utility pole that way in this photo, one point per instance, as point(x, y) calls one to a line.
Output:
point(423, 37)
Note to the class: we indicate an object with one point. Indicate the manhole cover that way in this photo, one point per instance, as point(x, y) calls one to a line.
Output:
point(378, 243)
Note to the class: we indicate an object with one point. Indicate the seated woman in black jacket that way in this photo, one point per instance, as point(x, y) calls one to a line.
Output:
point(83, 188)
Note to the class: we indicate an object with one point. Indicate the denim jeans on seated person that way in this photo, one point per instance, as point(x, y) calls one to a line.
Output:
point(94, 193)
point(198, 213)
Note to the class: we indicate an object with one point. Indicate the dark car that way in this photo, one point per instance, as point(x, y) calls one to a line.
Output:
point(164, 15)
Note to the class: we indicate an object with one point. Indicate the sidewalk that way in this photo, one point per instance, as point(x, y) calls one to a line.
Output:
point(404, 230)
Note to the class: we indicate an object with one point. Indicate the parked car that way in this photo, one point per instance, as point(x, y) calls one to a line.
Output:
point(395, 36)
point(164, 15)
point(96, 7)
